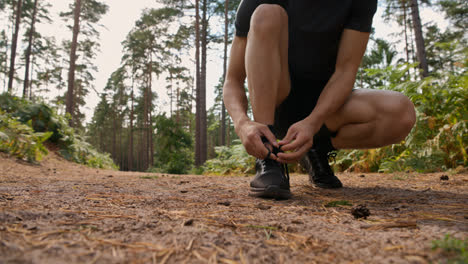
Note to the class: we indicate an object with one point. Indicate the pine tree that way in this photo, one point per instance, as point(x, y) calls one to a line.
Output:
point(14, 43)
point(420, 48)
point(85, 14)
point(28, 50)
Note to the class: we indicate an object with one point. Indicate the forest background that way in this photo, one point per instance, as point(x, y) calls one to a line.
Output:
point(47, 84)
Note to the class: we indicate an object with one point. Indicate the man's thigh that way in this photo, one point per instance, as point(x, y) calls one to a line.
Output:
point(366, 105)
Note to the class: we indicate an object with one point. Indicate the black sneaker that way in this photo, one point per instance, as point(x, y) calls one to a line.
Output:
point(271, 180)
point(320, 172)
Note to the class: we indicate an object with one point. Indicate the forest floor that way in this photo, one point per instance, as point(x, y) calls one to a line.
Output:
point(61, 212)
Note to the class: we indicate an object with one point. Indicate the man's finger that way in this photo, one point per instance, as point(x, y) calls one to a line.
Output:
point(294, 145)
point(289, 137)
point(262, 150)
point(293, 156)
point(270, 136)
point(267, 153)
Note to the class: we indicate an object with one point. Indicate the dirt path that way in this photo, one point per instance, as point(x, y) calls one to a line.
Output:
point(61, 212)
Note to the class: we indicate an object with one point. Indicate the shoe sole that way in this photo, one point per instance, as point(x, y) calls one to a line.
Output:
point(272, 191)
point(327, 186)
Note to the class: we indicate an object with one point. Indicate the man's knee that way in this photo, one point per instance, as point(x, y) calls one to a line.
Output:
point(408, 115)
point(404, 116)
point(268, 18)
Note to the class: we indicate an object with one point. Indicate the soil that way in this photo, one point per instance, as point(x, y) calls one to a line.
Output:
point(60, 212)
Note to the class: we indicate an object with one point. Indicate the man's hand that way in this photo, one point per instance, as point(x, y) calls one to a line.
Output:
point(250, 134)
point(298, 140)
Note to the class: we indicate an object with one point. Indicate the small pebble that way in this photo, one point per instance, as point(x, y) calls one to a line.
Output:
point(263, 207)
point(444, 178)
point(225, 203)
point(362, 176)
point(360, 211)
point(188, 222)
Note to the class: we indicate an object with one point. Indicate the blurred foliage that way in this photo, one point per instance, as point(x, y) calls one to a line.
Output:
point(231, 160)
point(173, 148)
point(19, 140)
point(439, 140)
point(24, 121)
point(455, 248)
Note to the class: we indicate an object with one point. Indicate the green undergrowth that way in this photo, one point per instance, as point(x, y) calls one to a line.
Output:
point(438, 141)
point(19, 140)
point(230, 160)
point(25, 126)
point(455, 249)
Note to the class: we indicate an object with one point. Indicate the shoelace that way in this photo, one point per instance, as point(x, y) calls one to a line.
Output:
point(332, 155)
point(283, 166)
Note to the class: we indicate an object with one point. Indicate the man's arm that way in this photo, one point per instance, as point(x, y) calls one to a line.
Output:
point(235, 100)
point(299, 138)
point(234, 96)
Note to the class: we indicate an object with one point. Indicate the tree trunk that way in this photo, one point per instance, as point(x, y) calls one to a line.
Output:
point(114, 137)
point(145, 127)
point(14, 43)
point(228, 136)
point(223, 108)
point(28, 51)
point(148, 115)
point(405, 21)
point(30, 96)
point(178, 105)
point(71, 71)
point(130, 151)
point(203, 119)
point(421, 50)
point(5, 82)
point(197, 87)
point(151, 150)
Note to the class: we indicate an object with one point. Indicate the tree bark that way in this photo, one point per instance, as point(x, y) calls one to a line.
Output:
point(421, 50)
point(130, 151)
point(30, 96)
point(149, 134)
point(114, 136)
point(14, 43)
point(71, 72)
point(223, 108)
point(197, 87)
point(203, 119)
point(28, 51)
point(228, 136)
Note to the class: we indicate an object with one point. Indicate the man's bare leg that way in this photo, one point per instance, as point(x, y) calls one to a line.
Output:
point(266, 61)
point(372, 119)
point(266, 65)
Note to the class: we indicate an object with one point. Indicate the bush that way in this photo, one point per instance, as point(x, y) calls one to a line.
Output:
point(439, 140)
point(231, 160)
point(45, 124)
point(20, 140)
point(173, 148)
point(453, 247)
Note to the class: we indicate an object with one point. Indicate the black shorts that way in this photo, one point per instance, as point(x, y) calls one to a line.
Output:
point(300, 102)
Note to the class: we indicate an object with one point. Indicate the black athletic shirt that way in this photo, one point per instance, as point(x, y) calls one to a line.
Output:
point(315, 28)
